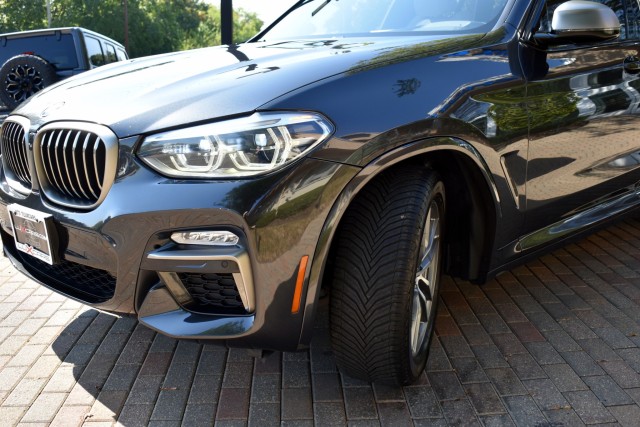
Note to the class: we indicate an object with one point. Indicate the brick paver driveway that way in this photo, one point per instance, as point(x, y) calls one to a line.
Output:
point(553, 343)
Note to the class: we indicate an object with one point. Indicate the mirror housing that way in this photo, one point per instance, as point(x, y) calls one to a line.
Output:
point(579, 21)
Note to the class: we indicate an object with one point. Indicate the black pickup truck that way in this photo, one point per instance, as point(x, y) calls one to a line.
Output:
point(33, 60)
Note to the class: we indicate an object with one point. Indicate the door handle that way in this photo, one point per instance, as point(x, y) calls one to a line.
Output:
point(632, 64)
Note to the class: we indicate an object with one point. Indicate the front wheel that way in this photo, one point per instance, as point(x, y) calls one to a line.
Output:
point(386, 276)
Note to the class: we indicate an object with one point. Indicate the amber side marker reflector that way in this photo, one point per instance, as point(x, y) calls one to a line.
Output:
point(297, 295)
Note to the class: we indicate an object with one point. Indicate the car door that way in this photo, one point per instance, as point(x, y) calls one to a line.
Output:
point(584, 151)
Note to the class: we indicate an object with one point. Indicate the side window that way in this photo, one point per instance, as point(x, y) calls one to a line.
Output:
point(111, 53)
point(617, 6)
point(122, 56)
point(94, 51)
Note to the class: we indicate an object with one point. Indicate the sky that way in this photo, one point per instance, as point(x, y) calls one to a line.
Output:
point(267, 10)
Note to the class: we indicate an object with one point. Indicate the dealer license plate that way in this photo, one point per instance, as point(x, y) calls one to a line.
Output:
point(33, 231)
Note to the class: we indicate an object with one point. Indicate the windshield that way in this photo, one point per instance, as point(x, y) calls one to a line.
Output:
point(318, 18)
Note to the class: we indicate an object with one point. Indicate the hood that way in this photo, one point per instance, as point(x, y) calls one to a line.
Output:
point(154, 93)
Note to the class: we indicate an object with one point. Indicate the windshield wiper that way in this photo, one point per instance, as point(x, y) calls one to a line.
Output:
point(326, 2)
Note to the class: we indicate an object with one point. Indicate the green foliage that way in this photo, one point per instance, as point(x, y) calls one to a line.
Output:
point(155, 26)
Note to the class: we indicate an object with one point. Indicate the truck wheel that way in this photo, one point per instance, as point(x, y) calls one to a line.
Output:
point(386, 276)
point(22, 76)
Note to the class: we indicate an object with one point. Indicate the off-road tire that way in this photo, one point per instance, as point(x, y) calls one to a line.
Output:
point(380, 241)
point(22, 76)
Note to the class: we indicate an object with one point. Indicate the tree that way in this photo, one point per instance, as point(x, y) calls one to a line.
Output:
point(18, 15)
point(155, 26)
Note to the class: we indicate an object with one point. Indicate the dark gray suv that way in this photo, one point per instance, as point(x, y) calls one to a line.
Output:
point(363, 147)
point(33, 60)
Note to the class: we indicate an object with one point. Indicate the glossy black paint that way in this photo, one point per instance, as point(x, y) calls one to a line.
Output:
point(524, 137)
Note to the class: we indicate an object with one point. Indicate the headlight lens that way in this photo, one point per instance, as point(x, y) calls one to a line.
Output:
point(248, 146)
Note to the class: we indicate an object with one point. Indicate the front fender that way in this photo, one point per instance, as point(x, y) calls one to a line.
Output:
point(357, 183)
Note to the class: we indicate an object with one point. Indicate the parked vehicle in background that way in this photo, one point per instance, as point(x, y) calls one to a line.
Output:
point(33, 60)
point(364, 147)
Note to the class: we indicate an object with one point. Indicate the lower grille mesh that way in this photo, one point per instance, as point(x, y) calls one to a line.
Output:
point(213, 293)
point(85, 283)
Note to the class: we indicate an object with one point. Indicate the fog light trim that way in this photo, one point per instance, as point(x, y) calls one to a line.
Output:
point(206, 238)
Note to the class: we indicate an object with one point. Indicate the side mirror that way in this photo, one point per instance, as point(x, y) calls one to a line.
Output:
point(578, 21)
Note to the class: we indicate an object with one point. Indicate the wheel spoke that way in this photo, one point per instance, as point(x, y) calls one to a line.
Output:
point(424, 290)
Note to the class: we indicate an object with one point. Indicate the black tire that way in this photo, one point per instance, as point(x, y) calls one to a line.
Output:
point(381, 246)
point(22, 76)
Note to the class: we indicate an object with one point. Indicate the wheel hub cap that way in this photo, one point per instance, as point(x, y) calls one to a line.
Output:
point(22, 82)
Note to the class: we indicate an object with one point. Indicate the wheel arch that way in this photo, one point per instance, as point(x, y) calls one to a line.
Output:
point(476, 193)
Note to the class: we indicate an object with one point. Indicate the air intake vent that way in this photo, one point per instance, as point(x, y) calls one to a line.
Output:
point(15, 160)
point(76, 163)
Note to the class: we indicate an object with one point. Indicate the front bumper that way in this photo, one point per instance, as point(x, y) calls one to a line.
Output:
point(119, 256)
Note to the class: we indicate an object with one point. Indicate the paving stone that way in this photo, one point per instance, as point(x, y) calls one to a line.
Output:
point(505, 381)
point(296, 404)
point(260, 414)
point(546, 394)
point(544, 353)
point(180, 376)
point(446, 385)
point(456, 346)
point(564, 378)
point(588, 407)
point(329, 414)
point(108, 405)
point(524, 411)
point(238, 375)
point(122, 377)
point(386, 393)
point(489, 356)
point(525, 367)
point(25, 392)
point(145, 390)
point(481, 305)
point(156, 364)
point(322, 361)
point(70, 416)
point(484, 398)
point(262, 390)
point(622, 374)
point(599, 350)
point(422, 402)
point(607, 391)
point(327, 388)
point(582, 363)
point(563, 417)
point(295, 374)
point(497, 420)
point(233, 404)
point(135, 415)
point(493, 324)
point(459, 412)
point(561, 341)
point(44, 408)
point(526, 332)
point(627, 415)
point(614, 338)
point(508, 344)
point(11, 415)
point(394, 413)
point(543, 321)
point(475, 335)
point(468, 370)
point(359, 403)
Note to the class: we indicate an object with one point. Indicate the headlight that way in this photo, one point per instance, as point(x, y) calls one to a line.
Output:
point(248, 146)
